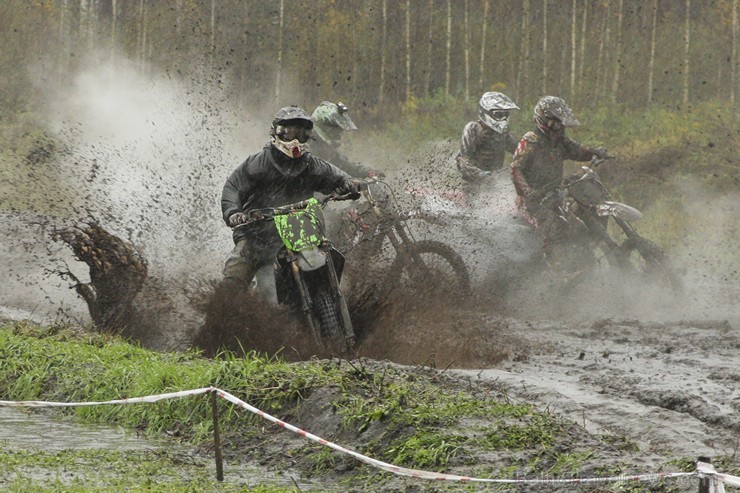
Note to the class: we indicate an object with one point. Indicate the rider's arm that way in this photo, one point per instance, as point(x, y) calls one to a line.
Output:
point(575, 151)
point(521, 156)
point(466, 158)
point(328, 177)
point(237, 185)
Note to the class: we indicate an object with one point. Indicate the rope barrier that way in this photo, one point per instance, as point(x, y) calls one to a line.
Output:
point(704, 470)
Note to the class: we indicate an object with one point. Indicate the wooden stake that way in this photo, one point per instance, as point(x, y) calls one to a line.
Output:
point(217, 439)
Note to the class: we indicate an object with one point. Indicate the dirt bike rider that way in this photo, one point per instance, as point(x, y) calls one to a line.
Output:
point(283, 172)
point(330, 122)
point(537, 167)
point(486, 141)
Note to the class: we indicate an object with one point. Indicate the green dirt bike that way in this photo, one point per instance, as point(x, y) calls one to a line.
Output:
point(308, 270)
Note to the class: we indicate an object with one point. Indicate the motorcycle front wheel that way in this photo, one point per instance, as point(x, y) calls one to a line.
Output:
point(650, 261)
point(329, 318)
point(430, 267)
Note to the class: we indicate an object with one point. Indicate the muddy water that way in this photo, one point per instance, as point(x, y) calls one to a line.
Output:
point(23, 429)
point(43, 430)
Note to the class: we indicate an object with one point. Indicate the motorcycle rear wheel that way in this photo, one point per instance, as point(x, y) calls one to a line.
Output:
point(430, 267)
point(650, 261)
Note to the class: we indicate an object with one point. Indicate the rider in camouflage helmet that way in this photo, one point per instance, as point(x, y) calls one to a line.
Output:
point(486, 141)
point(331, 121)
point(537, 167)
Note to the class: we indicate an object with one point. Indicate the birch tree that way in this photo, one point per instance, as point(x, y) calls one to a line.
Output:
point(383, 35)
point(687, 45)
point(544, 46)
point(430, 39)
point(483, 46)
point(582, 54)
point(448, 67)
point(466, 48)
point(734, 62)
point(281, 22)
point(573, 51)
point(212, 47)
point(618, 51)
point(651, 63)
point(408, 50)
point(523, 72)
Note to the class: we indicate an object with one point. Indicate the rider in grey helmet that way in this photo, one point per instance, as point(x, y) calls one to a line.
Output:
point(282, 173)
point(331, 121)
point(486, 141)
point(537, 167)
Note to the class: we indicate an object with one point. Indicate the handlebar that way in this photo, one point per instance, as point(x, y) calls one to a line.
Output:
point(269, 213)
point(595, 160)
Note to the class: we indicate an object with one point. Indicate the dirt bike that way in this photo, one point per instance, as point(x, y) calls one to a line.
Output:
point(587, 206)
point(308, 270)
point(424, 266)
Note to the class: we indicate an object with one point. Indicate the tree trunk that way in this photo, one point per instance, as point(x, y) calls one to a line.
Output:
point(544, 47)
point(384, 31)
point(582, 54)
point(212, 47)
point(523, 72)
point(618, 54)
point(142, 34)
point(573, 50)
point(483, 46)
point(279, 76)
point(430, 38)
point(408, 50)
point(734, 62)
point(448, 67)
point(651, 63)
point(466, 52)
point(687, 45)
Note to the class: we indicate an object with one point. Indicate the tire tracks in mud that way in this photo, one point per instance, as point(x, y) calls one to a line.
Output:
point(669, 387)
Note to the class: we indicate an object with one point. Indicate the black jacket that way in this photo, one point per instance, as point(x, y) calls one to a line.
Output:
point(271, 179)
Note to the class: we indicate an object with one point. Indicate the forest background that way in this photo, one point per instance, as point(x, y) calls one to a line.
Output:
point(656, 81)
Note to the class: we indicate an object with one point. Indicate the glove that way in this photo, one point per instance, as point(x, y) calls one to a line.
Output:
point(534, 197)
point(484, 174)
point(375, 172)
point(352, 188)
point(601, 152)
point(237, 218)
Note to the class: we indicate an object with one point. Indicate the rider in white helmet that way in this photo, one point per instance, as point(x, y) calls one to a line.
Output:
point(486, 141)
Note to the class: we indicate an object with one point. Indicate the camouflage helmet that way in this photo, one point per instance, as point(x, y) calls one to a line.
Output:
point(331, 120)
point(550, 108)
point(494, 109)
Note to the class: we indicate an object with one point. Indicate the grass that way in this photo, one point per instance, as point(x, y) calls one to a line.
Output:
point(408, 417)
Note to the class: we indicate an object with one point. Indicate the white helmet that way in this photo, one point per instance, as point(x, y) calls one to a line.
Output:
point(494, 109)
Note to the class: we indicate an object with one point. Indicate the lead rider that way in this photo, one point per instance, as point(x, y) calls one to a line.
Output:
point(283, 172)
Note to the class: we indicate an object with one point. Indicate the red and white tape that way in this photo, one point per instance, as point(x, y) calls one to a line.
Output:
point(703, 469)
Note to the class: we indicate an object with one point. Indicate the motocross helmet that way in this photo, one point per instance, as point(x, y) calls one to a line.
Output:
point(290, 131)
point(331, 121)
point(552, 114)
point(494, 109)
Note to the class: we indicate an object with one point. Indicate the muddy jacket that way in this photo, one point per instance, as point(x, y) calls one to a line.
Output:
point(271, 179)
point(482, 149)
point(538, 163)
point(331, 153)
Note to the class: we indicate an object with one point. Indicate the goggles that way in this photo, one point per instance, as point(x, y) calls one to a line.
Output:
point(499, 115)
point(293, 132)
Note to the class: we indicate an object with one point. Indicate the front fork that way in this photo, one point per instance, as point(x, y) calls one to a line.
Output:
point(306, 301)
